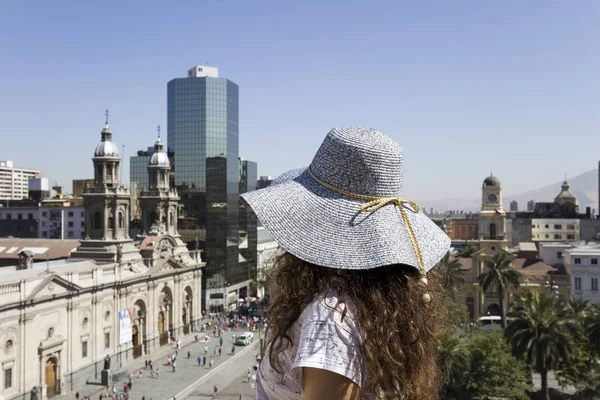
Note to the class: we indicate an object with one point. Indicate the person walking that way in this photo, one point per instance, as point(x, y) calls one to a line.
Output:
point(356, 266)
point(215, 352)
point(152, 372)
point(233, 349)
point(157, 372)
point(204, 361)
point(249, 376)
point(199, 360)
point(174, 365)
point(216, 390)
point(205, 350)
point(221, 341)
point(220, 351)
point(189, 354)
point(210, 363)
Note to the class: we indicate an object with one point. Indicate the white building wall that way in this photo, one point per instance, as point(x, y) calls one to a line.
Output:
point(553, 253)
point(14, 182)
point(583, 265)
point(61, 223)
point(554, 229)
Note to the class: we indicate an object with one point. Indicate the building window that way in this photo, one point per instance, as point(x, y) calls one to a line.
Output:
point(8, 216)
point(111, 222)
point(570, 227)
point(107, 340)
point(557, 236)
point(569, 236)
point(84, 349)
point(43, 224)
point(559, 255)
point(120, 220)
point(557, 226)
point(82, 214)
point(70, 234)
point(492, 231)
point(547, 226)
point(44, 213)
point(19, 216)
point(594, 261)
point(546, 236)
point(44, 234)
point(30, 216)
point(70, 224)
point(8, 378)
point(70, 214)
point(577, 260)
point(594, 284)
point(577, 283)
point(82, 224)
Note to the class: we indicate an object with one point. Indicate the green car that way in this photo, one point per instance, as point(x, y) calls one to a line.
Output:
point(244, 339)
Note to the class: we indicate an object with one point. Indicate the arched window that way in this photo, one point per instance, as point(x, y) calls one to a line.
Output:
point(170, 218)
point(111, 223)
point(155, 179)
point(109, 170)
point(492, 231)
point(120, 220)
point(97, 220)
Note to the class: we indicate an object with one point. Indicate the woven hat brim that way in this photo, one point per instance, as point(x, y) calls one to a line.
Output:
point(323, 227)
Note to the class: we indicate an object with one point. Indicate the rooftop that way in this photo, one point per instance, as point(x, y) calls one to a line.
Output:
point(42, 249)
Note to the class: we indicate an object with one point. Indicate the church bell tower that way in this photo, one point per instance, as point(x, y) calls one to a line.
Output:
point(492, 218)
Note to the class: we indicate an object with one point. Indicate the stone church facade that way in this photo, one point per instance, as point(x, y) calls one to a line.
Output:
point(60, 320)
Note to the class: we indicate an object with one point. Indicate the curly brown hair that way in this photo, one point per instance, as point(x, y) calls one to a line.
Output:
point(400, 349)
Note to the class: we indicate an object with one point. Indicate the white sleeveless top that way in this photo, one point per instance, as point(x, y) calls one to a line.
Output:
point(320, 339)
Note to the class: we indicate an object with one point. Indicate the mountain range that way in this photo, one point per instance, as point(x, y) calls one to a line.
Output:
point(583, 186)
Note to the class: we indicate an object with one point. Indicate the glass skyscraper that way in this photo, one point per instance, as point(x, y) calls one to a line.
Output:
point(138, 178)
point(202, 132)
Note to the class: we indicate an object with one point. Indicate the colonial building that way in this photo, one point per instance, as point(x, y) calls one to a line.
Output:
point(492, 238)
point(115, 297)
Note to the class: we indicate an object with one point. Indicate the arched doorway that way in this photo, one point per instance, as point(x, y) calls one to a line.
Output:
point(165, 315)
point(51, 377)
point(139, 328)
point(186, 314)
point(492, 231)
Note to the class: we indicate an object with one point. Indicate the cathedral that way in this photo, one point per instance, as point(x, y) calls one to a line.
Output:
point(117, 298)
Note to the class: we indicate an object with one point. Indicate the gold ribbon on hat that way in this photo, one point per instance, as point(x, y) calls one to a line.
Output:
point(375, 203)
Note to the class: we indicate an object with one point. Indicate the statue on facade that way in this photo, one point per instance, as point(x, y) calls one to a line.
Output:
point(107, 362)
point(35, 393)
point(119, 252)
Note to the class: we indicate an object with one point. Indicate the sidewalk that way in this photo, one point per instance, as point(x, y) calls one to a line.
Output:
point(168, 383)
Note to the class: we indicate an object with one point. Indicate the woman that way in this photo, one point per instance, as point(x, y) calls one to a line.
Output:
point(353, 314)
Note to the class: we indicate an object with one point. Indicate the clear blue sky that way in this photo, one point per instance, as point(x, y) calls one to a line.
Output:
point(465, 87)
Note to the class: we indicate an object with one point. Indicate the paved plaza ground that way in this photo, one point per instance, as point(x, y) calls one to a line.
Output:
point(181, 383)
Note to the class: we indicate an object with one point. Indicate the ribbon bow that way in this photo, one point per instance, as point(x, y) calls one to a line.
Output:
point(379, 202)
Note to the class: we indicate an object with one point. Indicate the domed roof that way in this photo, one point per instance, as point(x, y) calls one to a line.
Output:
point(491, 181)
point(565, 195)
point(159, 157)
point(106, 148)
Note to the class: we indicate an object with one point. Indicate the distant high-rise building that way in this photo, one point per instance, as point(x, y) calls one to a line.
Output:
point(531, 205)
point(514, 206)
point(14, 182)
point(202, 133)
point(263, 182)
point(248, 220)
point(39, 189)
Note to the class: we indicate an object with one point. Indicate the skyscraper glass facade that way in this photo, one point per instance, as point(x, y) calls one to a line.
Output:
point(202, 129)
point(138, 178)
point(248, 220)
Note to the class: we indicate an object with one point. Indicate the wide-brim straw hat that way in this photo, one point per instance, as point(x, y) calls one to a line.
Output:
point(346, 209)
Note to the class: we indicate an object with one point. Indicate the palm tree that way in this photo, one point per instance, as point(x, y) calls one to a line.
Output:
point(500, 274)
point(449, 268)
point(467, 251)
point(542, 331)
point(578, 307)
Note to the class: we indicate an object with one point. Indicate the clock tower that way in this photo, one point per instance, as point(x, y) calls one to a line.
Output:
point(492, 219)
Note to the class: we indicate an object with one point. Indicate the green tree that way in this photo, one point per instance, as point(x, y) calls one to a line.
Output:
point(542, 332)
point(467, 252)
point(500, 274)
point(454, 360)
point(578, 308)
point(592, 327)
point(452, 275)
point(493, 370)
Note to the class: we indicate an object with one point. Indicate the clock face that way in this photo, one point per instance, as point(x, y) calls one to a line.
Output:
point(492, 198)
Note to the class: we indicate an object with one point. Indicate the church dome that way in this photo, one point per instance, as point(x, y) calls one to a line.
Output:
point(106, 148)
point(565, 195)
point(159, 157)
point(491, 181)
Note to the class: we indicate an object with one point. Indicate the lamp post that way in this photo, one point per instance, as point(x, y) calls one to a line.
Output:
point(489, 314)
point(551, 285)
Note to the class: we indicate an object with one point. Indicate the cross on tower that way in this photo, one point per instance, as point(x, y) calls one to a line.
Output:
point(158, 130)
point(106, 114)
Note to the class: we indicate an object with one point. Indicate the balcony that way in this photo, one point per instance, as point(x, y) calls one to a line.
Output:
point(490, 237)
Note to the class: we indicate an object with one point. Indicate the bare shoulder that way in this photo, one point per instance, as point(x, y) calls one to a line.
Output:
point(320, 384)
